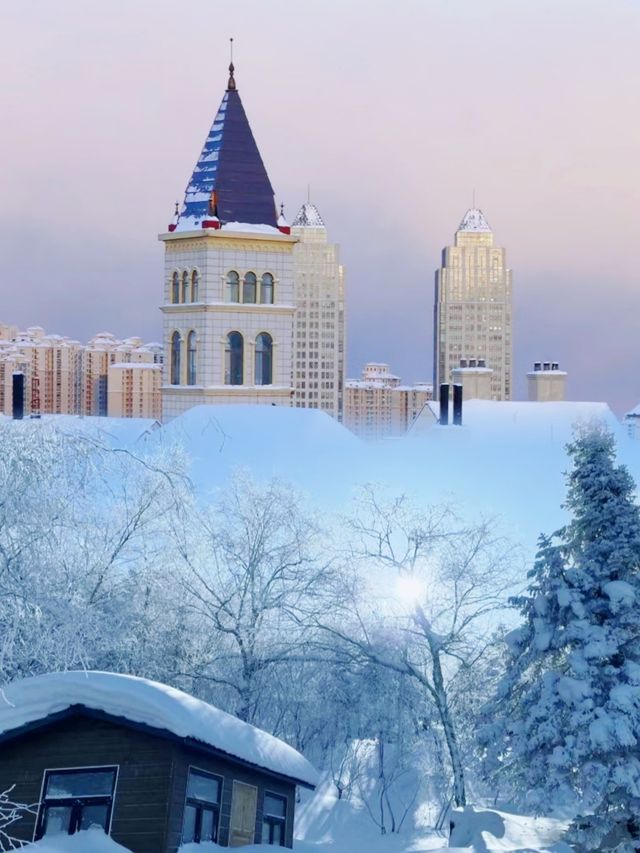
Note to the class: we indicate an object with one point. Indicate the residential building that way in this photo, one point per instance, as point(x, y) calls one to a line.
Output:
point(319, 328)
point(379, 406)
point(228, 308)
point(472, 309)
point(147, 764)
point(63, 376)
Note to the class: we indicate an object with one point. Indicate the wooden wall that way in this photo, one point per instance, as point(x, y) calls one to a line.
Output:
point(152, 778)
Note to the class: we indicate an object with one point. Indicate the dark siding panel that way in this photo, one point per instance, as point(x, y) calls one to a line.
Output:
point(142, 792)
point(185, 757)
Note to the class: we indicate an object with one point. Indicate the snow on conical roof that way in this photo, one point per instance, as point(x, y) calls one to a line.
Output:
point(308, 217)
point(156, 705)
point(229, 181)
point(474, 220)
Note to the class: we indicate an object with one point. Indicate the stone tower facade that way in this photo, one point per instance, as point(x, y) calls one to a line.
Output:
point(228, 307)
point(319, 331)
point(472, 310)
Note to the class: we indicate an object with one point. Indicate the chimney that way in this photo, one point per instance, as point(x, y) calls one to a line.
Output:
point(457, 405)
point(482, 362)
point(463, 362)
point(18, 396)
point(537, 365)
point(546, 365)
point(444, 404)
point(546, 382)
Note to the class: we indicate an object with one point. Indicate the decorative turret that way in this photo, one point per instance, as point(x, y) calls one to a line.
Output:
point(229, 183)
point(283, 225)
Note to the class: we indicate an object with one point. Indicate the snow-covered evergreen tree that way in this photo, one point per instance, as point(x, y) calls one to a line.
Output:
point(566, 721)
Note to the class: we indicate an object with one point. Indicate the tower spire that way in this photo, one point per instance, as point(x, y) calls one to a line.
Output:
point(231, 85)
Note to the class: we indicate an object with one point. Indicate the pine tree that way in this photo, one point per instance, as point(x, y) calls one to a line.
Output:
point(566, 721)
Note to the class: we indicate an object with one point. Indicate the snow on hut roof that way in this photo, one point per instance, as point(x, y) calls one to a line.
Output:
point(139, 700)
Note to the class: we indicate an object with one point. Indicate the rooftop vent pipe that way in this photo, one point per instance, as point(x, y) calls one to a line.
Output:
point(18, 396)
point(457, 405)
point(444, 404)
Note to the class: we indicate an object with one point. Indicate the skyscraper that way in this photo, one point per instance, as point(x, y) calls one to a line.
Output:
point(319, 319)
point(228, 291)
point(472, 310)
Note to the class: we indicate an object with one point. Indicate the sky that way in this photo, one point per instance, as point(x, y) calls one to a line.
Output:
point(393, 111)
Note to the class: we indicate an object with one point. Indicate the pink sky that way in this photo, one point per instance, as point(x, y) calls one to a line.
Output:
point(393, 112)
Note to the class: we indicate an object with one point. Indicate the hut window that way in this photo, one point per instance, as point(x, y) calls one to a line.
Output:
point(202, 807)
point(274, 818)
point(76, 799)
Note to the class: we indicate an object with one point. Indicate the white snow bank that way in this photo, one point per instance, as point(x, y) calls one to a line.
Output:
point(90, 841)
point(486, 830)
point(155, 705)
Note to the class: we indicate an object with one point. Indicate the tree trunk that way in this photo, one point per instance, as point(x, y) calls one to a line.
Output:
point(442, 705)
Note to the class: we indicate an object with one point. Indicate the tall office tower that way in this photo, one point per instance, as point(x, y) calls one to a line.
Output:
point(472, 310)
point(228, 291)
point(319, 328)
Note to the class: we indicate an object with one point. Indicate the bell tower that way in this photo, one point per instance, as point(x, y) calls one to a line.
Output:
point(229, 302)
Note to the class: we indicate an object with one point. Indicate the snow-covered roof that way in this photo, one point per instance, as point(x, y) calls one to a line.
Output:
point(139, 700)
point(474, 220)
point(308, 217)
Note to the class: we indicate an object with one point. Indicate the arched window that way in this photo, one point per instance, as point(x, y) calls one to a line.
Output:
point(264, 359)
point(175, 288)
point(249, 287)
point(185, 286)
point(176, 343)
point(233, 286)
point(233, 358)
point(266, 289)
point(195, 285)
point(191, 358)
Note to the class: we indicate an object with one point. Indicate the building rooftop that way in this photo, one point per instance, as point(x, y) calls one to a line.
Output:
point(308, 217)
point(229, 181)
point(474, 220)
point(137, 700)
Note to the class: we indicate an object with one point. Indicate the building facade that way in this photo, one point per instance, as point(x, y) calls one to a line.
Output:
point(319, 329)
point(379, 406)
point(472, 307)
point(228, 307)
point(63, 376)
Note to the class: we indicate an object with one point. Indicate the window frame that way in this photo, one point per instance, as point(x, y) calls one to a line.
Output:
point(250, 280)
point(239, 353)
point(274, 820)
point(195, 285)
point(234, 283)
point(271, 287)
point(175, 360)
point(202, 805)
point(263, 358)
point(40, 821)
point(192, 357)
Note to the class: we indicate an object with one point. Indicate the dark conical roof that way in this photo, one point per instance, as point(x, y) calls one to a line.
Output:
point(229, 180)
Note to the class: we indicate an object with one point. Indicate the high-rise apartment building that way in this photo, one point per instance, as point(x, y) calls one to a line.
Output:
point(319, 326)
point(63, 376)
point(379, 406)
point(472, 310)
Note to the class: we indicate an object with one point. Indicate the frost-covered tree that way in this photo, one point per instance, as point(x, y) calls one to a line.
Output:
point(10, 813)
point(253, 568)
point(566, 720)
point(419, 602)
